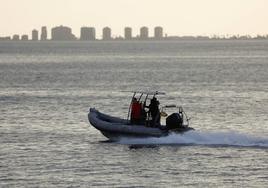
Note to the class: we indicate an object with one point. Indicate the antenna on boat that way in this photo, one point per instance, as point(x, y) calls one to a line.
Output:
point(130, 105)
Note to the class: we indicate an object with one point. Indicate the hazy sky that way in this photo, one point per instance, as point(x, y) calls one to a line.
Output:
point(177, 17)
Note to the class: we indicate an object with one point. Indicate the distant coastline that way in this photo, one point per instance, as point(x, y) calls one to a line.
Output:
point(176, 38)
point(64, 33)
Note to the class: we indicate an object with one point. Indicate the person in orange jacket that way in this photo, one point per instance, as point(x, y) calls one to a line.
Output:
point(136, 111)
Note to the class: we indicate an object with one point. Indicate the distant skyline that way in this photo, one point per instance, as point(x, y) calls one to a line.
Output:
point(177, 17)
point(64, 33)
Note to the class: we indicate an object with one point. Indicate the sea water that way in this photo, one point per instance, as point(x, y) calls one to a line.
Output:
point(46, 89)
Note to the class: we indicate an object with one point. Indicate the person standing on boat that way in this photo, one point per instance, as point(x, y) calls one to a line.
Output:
point(154, 112)
point(136, 110)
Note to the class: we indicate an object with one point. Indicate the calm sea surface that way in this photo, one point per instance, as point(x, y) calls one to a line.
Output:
point(46, 89)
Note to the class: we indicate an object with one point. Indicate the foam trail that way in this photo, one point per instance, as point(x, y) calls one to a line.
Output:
point(201, 138)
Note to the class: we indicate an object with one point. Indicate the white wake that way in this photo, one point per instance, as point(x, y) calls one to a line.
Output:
point(201, 138)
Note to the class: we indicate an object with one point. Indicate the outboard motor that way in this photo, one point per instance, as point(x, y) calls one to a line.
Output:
point(174, 121)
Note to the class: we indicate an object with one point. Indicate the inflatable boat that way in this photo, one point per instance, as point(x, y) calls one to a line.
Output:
point(115, 128)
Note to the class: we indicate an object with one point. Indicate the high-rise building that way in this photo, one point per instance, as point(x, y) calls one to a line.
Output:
point(128, 33)
point(62, 33)
point(44, 33)
point(106, 33)
point(5, 38)
point(16, 37)
point(158, 32)
point(87, 33)
point(144, 33)
point(24, 37)
point(34, 35)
